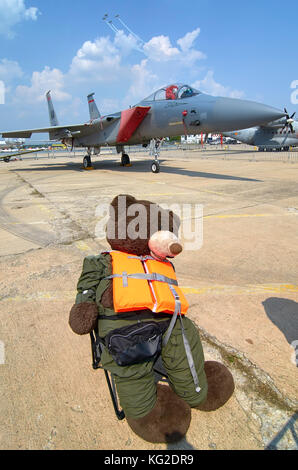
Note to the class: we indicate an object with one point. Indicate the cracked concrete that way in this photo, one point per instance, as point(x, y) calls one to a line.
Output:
point(241, 286)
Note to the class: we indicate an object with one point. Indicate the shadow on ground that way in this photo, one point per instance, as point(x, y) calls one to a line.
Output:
point(137, 167)
point(288, 427)
point(284, 314)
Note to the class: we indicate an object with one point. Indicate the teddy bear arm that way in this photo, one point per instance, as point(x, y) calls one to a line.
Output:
point(84, 313)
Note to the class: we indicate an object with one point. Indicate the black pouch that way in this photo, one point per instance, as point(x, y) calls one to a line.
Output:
point(136, 343)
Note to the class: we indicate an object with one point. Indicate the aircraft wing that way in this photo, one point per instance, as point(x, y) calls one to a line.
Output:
point(60, 131)
point(7, 156)
point(129, 121)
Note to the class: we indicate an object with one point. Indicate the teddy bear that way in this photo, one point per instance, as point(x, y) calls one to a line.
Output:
point(130, 293)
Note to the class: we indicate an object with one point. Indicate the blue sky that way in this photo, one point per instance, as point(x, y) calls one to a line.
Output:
point(228, 48)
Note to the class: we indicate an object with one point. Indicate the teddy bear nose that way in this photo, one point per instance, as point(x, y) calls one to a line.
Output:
point(175, 248)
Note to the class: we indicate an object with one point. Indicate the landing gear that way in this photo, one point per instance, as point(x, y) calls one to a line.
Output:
point(87, 163)
point(155, 145)
point(125, 160)
point(155, 167)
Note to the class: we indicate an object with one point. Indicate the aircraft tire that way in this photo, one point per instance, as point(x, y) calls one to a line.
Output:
point(87, 162)
point(155, 167)
point(125, 160)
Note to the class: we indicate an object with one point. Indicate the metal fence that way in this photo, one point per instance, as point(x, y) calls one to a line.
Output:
point(205, 152)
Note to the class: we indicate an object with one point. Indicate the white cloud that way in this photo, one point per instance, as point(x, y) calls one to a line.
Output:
point(13, 12)
point(105, 64)
point(143, 82)
point(9, 70)
point(210, 86)
point(41, 82)
point(98, 60)
point(159, 48)
point(109, 105)
point(126, 43)
point(187, 41)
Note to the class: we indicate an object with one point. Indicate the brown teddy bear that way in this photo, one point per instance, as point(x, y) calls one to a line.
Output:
point(131, 295)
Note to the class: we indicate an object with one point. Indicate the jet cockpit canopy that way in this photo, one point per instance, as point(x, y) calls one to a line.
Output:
point(173, 92)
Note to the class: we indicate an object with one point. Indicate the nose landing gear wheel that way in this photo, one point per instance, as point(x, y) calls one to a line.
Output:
point(155, 167)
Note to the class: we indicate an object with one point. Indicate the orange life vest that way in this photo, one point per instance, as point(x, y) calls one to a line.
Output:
point(143, 283)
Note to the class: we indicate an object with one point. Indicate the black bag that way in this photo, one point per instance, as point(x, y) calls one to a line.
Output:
point(136, 343)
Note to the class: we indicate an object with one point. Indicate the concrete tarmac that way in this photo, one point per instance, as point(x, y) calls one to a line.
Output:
point(242, 286)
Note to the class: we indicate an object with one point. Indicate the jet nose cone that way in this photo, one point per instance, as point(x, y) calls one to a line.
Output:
point(241, 114)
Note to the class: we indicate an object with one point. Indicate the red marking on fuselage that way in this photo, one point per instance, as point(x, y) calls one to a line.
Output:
point(130, 121)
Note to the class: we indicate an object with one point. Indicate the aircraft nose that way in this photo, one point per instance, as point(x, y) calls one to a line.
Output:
point(241, 114)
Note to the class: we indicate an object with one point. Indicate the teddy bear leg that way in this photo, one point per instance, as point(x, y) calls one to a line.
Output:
point(220, 386)
point(167, 422)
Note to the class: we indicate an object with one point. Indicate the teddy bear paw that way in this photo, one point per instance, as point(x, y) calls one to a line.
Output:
point(83, 318)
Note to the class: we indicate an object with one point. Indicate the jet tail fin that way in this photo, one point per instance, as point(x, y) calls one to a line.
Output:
point(93, 110)
point(52, 114)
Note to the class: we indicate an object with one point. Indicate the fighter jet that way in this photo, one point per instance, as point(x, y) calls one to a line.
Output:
point(277, 135)
point(173, 110)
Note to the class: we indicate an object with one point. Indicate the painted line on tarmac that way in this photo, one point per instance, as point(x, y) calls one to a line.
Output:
point(184, 194)
point(204, 290)
point(40, 222)
point(242, 290)
point(43, 295)
point(82, 246)
point(235, 216)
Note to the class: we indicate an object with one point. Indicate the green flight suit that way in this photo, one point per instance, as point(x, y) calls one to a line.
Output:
point(135, 383)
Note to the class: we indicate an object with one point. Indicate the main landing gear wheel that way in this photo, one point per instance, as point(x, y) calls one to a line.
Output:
point(155, 167)
point(125, 160)
point(87, 164)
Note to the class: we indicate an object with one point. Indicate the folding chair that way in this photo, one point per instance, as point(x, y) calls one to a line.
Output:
point(96, 348)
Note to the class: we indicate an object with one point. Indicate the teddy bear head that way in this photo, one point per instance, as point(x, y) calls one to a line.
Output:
point(142, 228)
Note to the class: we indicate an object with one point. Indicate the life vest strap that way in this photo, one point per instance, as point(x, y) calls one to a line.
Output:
point(187, 348)
point(143, 276)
